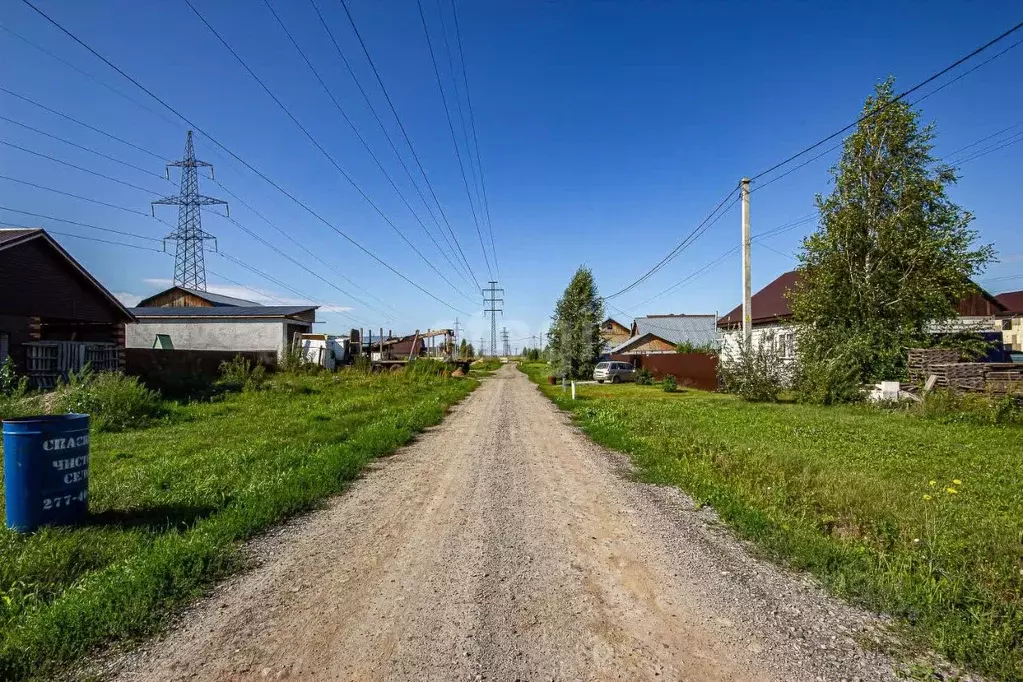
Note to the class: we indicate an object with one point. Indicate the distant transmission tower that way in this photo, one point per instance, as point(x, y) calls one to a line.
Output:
point(493, 305)
point(504, 342)
point(189, 265)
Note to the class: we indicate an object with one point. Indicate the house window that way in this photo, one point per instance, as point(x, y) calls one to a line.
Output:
point(785, 345)
point(1006, 325)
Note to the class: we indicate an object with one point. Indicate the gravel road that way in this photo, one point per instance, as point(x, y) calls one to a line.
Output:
point(503, 545)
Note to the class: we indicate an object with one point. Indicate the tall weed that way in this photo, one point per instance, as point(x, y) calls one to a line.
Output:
point(114, 401)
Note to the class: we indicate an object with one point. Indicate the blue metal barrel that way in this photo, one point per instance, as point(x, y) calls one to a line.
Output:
point(46, 470)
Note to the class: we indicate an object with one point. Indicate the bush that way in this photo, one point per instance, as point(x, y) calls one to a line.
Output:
point(753, 372)
point(950, 407)
point(830, 380)
point(426, 367)
point(644, 377)
point(690, 347)
point(241, 374)
point(362, 363)
point(114, 401)
point(670, 384)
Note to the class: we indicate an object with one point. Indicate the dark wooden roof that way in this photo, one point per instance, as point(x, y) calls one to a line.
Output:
point(263, 311)
point(1012, 300)
point(38, 278)
point(771, 304)
point(179, 296)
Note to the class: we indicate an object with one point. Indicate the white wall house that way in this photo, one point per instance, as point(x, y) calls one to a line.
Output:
point(224, 328)
point(772, 319)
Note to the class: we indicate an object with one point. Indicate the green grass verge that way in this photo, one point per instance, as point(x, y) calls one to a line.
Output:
point(170, 505)
point(846, 493)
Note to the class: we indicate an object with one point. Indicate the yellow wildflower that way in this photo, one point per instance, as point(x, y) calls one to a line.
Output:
point(951, 491)
point(927, 497)
point(932, 483)
point(956, 481)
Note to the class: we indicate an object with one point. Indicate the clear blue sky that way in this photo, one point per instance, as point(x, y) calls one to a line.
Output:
point(607, 131)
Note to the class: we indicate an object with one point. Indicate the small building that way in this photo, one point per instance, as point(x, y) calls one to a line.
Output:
point(183, 297)
point(696, 330)
point(1012, 325)
point(220, 327)
point(644, 344)
point(771, 318)
point(55, 317)
point(614, 332)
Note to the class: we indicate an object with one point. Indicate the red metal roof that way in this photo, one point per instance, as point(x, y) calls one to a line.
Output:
point(1012, 300)
point(768, 305)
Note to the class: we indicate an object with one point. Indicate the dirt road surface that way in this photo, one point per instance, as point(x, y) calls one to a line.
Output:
point(503, 545)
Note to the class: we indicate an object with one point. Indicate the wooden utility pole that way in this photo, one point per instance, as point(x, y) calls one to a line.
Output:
point(747, 290)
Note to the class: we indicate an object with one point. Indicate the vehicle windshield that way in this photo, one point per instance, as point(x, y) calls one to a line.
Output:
point(603, 365)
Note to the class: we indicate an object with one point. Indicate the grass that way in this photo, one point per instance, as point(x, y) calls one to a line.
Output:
point(170, 505)
point(846, 493)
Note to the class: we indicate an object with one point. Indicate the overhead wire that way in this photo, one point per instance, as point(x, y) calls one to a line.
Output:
point(475, 137)
point(217, 182)
point(76, 167)
point(80, 224)
point(401, 126)
point(235, 156)
point(454, 140)
point(322, 150)
point(897, 98)
point(359, 136)
point(700, 228)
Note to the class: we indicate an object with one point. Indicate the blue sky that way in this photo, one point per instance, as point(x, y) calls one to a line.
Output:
point(606, 132)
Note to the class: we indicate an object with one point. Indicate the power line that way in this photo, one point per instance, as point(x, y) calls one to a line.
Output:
point(71, 165)
point(238, 158)
point(75, 196)
point(454, 140)
point(1011, 140)
point(232, 194)
point(401, 127)
point(91, 239)
point(702, 227)
point(899, 97)
point(472, 123)
point(365, 144)
point(84, 148)
point(320, 147)
point(75, 222)
point(387, 135)
point(74, 120)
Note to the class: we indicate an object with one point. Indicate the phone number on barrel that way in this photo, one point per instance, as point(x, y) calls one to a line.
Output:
point(64, 500)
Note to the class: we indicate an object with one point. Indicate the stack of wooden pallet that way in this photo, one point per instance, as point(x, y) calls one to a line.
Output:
point(921, 360)
point(1004, 379)
point(967, 376)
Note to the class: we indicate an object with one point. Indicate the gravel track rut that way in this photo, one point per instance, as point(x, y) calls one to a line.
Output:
point(504, 545)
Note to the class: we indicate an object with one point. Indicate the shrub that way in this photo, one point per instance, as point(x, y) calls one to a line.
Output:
point(836, 378)
point(670, 384)
point(241, 374)
point(114, 401)
point(11, 385)
point(422, 367)
point(644, 377)
point(950, 407)
point(753, 371)
point(690, 347)
point(362, 363)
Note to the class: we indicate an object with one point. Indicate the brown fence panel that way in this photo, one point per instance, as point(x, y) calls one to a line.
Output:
point(697, 370)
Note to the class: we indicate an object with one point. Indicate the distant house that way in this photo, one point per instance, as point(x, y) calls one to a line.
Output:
point(1012, 326)
point(771, 317)
point(644, 344)
point(216, 323)
point(698, 330)
point(613, 332)
point(183, 297)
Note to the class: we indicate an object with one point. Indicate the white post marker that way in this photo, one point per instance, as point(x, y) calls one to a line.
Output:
point(747, 306)
point(573, 390)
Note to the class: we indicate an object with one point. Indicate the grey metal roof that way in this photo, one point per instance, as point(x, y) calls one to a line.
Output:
point(220, 299)
point(697, 329)
point(225, 311)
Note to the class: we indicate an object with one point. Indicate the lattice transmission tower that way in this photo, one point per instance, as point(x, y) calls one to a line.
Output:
point(493, 304)
point(505, 344)
point(189, 264)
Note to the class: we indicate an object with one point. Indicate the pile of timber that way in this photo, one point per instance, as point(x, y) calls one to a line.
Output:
point(921, 360)
point(1003, 379)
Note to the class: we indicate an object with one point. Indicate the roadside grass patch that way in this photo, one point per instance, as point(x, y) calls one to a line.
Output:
point(916, 517)
point(171, 503)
